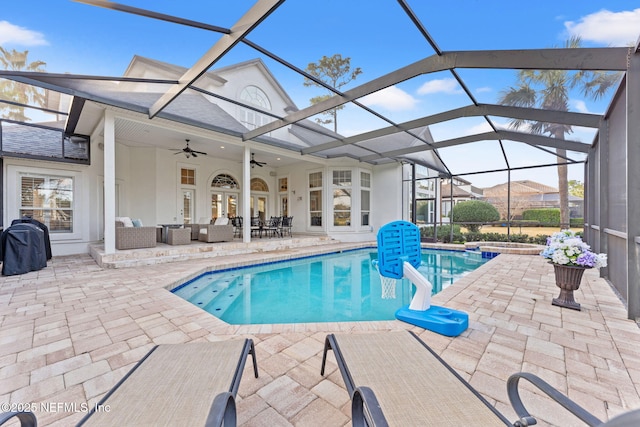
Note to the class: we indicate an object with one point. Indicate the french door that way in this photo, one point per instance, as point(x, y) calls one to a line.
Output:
point(224, 204)
point(259, 207)
point(187, 206)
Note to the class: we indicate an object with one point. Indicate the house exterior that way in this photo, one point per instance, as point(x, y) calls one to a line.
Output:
point(528, 194)
point(455, 190)
point(120, 162)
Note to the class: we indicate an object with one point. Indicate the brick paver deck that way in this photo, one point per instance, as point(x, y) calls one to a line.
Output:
point(69, 332)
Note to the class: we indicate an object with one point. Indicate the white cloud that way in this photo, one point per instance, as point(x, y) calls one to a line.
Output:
point(391, 98)
point(484, 89)
point(608, 28)
point(13, 34)
point(580, 106)
point(440, 86)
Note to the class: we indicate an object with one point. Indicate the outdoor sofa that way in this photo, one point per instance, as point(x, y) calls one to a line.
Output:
point(129, 236)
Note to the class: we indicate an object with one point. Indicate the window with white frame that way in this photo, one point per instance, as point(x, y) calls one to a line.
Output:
point(342, 190)
point(187, 176)
point(365, 198)
point(48, 199)
point(315, 198)
point(253, 95)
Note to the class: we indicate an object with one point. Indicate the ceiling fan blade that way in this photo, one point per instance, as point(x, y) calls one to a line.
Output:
point(199, 152)
point(193, 153)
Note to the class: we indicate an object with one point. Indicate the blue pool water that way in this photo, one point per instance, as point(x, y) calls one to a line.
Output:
point(338, 287)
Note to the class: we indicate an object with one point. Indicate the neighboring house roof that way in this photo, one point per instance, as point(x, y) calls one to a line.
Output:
point(457, 192)
point(533, 192)
point(519, 187)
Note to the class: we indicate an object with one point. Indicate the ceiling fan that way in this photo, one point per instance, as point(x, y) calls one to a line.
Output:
point(254, 162)
point(188, 151)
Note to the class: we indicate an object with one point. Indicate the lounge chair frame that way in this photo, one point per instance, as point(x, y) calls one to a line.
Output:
point(26, 418)
point(367, 411)
point(629, 419)
point(222, 410)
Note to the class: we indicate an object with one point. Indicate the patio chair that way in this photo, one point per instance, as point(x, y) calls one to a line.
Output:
point(237, 226)
point(130, 237)
point(285, 225)
point(272, 227)
point(256, 226)
point(195, 228)
point(220, 231)
point(395, 379)
point(178, 384)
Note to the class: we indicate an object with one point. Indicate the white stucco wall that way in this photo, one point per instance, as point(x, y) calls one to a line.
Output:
point(87, 198)
point(387, 203)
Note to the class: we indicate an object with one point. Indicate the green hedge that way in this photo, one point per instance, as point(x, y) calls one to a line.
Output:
point(444, 233)
point(576, 222)
point(547, 216)
point(459, 237)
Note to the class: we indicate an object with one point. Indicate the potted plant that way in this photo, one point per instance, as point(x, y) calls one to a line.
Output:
point(570, 256)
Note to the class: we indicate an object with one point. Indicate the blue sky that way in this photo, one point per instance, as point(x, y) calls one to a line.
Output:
point(377, 35)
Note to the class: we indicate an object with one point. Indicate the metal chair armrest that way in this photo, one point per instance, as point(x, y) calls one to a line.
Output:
point(223, 411)
point(525, 418)
point(364, 400)
point(27, 419)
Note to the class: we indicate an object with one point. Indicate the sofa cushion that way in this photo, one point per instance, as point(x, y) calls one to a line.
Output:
point(137, 222)
point(125, 220)
point(222, 221)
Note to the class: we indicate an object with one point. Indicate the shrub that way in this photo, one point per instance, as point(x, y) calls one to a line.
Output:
point(576, 222)
point(547, 216)
point(540, 239)
point(495, 237)
point(444, 233)
point(473, 213)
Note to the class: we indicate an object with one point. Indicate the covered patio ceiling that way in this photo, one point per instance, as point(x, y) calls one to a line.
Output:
point(371, 132)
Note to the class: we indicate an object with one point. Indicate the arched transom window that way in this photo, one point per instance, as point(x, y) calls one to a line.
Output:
point(224, 181)
point(258, 184)
point(254, 95)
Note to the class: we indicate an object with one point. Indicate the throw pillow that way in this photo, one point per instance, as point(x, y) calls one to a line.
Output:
point(137, 222)
point(222, 221)
point(125, 220)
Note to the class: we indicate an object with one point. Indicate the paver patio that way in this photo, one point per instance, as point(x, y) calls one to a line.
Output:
point(69, 332)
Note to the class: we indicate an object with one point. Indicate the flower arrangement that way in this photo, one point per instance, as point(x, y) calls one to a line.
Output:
point(567, 248)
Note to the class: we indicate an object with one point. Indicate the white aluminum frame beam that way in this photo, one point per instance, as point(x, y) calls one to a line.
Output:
point(605, 59)
point(535, 140)
point(250, 20)
point(548, 116)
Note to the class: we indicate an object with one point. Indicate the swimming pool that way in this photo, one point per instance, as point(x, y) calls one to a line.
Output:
point(338, 287)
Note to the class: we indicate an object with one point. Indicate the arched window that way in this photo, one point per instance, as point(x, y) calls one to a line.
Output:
point(253, 95)
point(258, 184)
point(224, 181)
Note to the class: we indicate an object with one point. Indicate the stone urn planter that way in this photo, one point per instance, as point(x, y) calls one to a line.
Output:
point(568, 279)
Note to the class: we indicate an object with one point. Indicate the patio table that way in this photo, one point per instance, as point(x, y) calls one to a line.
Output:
point(165, 230)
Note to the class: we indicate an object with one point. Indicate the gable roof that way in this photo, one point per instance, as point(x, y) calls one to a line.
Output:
point(520, 187)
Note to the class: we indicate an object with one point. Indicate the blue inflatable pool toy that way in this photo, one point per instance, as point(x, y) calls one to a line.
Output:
point(399, 255)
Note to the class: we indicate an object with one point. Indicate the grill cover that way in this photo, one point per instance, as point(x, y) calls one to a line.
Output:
point(23, 249)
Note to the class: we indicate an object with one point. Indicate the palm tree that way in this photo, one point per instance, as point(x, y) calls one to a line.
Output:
point(549, 90)
point(20, 93)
